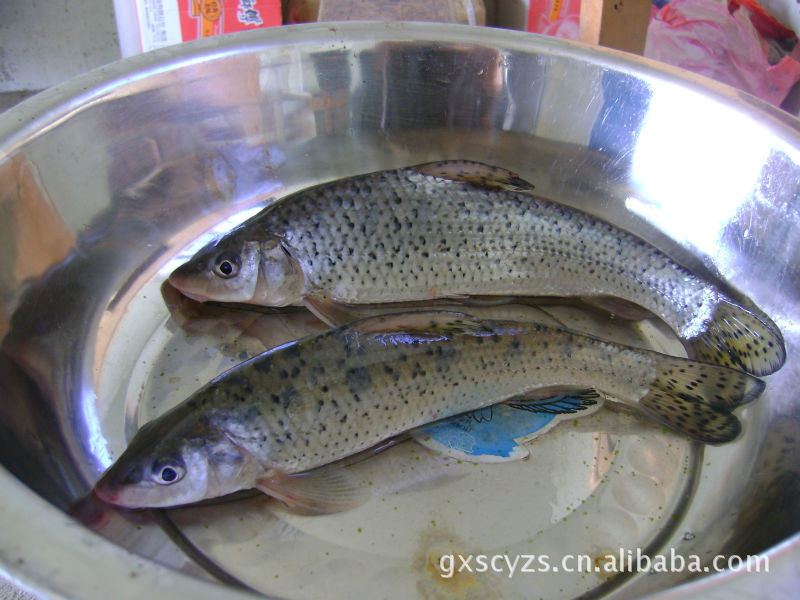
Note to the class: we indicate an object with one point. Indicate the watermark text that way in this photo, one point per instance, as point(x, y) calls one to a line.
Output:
point(610, 563)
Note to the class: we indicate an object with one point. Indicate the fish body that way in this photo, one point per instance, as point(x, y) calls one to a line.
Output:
point(312, 402)
point(458, 229)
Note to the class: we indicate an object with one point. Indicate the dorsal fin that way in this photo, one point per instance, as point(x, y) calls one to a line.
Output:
point(477, 174)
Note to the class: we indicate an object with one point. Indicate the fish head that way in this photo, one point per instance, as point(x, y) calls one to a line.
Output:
point(243, 268)
point(186, 465)
point(226, 271)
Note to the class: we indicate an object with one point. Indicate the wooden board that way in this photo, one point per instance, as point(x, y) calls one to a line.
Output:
point(620, 24)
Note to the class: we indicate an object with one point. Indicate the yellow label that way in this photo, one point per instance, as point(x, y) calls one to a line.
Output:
point(555, 9)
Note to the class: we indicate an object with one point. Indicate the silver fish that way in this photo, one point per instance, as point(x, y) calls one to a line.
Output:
point(456, 229)
point(281, 421)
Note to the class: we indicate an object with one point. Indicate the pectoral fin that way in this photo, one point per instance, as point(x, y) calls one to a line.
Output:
point(325, 490)
point(331, 312)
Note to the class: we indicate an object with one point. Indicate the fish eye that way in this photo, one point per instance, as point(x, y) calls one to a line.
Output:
point(167, 471)
point(227, 264)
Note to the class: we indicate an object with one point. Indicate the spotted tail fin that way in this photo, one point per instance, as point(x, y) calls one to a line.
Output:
point(698, 398)
point(741, 339)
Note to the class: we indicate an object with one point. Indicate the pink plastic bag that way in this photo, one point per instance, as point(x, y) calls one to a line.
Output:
point(704, 37)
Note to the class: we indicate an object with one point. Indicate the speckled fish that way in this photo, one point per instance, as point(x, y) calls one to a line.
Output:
point(456, 229)
point(280, 421)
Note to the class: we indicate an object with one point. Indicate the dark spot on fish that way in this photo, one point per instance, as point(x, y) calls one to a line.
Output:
point(252, 413)
point(358, 379)
point(263, 366)
point(289, 395)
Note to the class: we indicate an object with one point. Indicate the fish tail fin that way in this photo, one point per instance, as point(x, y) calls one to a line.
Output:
point(698, 398)
point(739, 338)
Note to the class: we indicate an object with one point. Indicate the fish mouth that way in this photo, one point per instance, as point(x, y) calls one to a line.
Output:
point(176, 283)
point(181, 280)
point(194, 296)
point(113, 485)
point(106, 494)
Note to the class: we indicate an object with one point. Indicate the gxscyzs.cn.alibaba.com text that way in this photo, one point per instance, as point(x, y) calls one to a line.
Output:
point(608, 564)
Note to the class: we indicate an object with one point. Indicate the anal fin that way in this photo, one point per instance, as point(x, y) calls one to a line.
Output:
point(618, 307)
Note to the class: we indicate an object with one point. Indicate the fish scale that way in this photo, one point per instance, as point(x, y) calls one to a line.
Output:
point(324, 398)
point(459, 229)
point(473, 246)
point(361, 388)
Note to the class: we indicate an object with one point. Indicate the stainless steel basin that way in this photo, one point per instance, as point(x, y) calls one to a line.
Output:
point(108, 180)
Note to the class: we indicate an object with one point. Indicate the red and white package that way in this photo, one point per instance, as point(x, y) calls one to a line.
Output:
point(149, 24)
point(559, 18)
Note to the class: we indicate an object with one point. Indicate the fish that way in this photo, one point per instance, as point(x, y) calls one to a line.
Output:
point(282, 421)
point(459, 229)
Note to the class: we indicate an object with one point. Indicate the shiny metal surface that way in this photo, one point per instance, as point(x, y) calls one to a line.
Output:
point(106, 179)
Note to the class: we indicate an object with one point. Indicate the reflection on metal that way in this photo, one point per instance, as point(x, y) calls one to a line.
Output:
point(692, 191)
point(107, 180)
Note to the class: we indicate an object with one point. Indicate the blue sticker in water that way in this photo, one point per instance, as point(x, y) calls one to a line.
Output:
point(496, 433)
